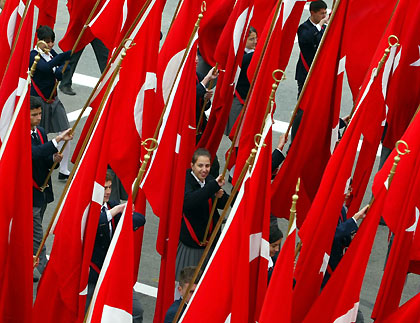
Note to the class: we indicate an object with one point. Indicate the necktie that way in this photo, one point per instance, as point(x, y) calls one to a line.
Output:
point(35, 137)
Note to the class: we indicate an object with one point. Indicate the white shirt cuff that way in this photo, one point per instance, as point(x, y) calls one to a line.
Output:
point(54, 143)
point(108, 215)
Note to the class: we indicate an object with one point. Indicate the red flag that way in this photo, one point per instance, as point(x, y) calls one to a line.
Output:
point(16, 232)
point(346, 281)
point(9, 22)
point(211, 27)
point(238, 277)
point(163, 183)
point(47, 12)
point(308, 149)
point(79, 12)
point(113, 21)
point(323, 215)
point(263, 9)
point(113, 295)
point(409, 312)
point(133, 98)
point(276, 56)
point(229, 53)
point(63, 288)
point(278, 300)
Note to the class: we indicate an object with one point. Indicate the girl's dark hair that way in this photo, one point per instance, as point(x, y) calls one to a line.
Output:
point(45, 32)
point(200, 152)
point(252, 30)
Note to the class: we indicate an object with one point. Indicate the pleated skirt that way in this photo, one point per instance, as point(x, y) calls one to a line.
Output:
point(54, 117)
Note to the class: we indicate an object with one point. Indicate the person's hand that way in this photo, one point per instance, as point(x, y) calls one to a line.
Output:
point(208, 95)
point(57, 157)
point(219, 193)
point(361, 214)
point(220, 180)
point(346, 119)
point(282, 141)
point(117, 209)
point(210, 76)
point(35, 261)
point(324, 20)
point(66, 135)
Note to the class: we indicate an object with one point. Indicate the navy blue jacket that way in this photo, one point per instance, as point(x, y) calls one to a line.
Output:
point(42, 161)
point(309, 38)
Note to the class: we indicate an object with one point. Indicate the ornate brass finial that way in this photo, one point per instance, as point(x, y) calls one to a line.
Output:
point(203, 7)
point(153, 144)
point(282, 78)
point(259, 141)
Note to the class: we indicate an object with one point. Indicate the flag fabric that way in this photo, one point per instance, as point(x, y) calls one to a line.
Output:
point(228, 54)
point(323, 215)
point(79, 12)
point(211, 27)
point(132, 102)
point(112, 300)
point(263, 9)
point(114, 19)
point(397, 89)
point(358, 56)
point(278, 300)
point(163, 183)
point(62, 290)
point(97, 96)
point(276, 56)
point(47, 12)
point(9, 22)
point(237, 278)
point(15, 155)
point(409, 312)
point(346, 281)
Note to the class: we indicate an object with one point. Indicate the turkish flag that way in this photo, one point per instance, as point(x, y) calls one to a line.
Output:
point(213, 24)
point(63, 287)
point(10, 19)
point(164, 181)
point(113, 21)
point(262, 10)
point(79, 12)
point(238, 278)
point(229, 54)
point(16, 264)
point(47, 12)
point(409, 312)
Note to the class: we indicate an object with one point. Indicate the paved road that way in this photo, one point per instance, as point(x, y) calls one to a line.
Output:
point(286, 98)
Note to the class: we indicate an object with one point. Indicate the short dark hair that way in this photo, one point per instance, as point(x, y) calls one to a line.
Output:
point(109, 176)
point(252, 30)
point(275, 233)
point(35, 102)
point(45, 32)
point(315, 6)
point(186, 274)
point(200, 152)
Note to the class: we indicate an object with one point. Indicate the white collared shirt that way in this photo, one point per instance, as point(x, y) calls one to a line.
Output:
point(199, 182)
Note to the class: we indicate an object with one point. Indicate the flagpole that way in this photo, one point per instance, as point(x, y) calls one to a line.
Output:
point(295, 197)
point(76, 43)
point(79, 157)
point(15, 40)
point(88, 101)
point(267, 110)
point(335, 8)
point(153, 140)
point(200, 120)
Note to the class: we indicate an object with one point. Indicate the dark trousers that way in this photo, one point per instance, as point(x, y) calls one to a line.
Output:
point(101, 53)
